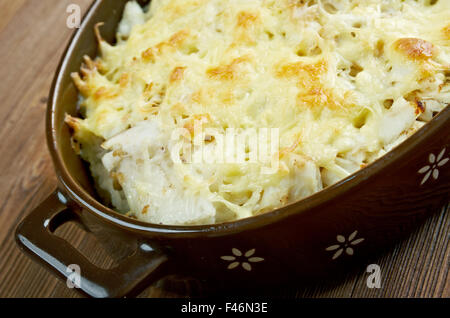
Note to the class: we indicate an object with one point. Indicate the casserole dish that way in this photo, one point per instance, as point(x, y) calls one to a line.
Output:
point(323, 234)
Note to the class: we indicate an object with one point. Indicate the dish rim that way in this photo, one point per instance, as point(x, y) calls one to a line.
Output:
point(302, 206)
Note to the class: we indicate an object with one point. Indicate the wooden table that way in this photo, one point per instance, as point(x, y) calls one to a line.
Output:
point(33, 35)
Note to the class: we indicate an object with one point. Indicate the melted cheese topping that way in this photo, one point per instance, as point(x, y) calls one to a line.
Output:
point(343, 81)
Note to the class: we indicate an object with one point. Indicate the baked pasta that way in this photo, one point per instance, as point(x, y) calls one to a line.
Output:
point(340, 82)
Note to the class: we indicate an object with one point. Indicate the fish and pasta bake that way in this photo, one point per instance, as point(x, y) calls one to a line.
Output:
point(208, 111)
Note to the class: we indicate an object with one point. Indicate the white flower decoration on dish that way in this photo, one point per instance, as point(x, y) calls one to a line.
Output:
point(243, 259)
point(432, 168)
point(344, 245)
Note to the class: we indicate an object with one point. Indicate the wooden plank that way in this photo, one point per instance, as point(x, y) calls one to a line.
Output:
point(8, 10)
point(33, 40)
point(416, 267)
point(33, 36)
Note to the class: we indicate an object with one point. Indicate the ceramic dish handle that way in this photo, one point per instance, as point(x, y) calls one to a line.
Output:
point(35, 235)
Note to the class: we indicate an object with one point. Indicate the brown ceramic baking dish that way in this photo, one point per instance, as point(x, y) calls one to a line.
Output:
point(326, 233)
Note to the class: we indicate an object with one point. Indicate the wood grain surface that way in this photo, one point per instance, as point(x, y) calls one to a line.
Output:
point(33, 35)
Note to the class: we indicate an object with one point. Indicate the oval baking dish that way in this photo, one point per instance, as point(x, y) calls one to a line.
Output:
point(323, 234)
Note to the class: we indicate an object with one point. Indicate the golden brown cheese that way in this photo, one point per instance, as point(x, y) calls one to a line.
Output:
point(342, 81)
point(416, 49)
